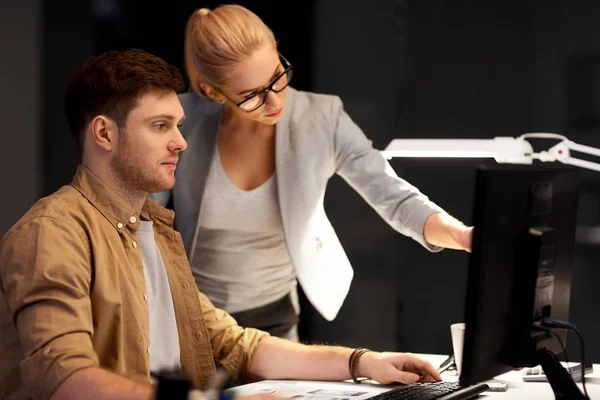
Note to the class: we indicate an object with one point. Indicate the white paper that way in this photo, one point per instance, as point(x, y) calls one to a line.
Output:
point(312, 390)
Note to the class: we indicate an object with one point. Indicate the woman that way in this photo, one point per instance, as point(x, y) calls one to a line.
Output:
point(250, 187)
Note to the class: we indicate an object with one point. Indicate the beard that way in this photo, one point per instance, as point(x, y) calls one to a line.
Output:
point(135, 172)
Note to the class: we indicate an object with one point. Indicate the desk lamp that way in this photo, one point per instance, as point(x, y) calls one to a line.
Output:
point(503, 149)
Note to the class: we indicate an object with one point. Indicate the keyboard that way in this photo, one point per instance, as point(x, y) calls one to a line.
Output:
point(536, 374)
point(432, 391)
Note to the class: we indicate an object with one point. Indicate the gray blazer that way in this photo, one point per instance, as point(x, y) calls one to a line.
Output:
point(314, 140)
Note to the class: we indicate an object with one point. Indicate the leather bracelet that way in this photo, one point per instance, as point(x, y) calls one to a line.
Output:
point(353, 362)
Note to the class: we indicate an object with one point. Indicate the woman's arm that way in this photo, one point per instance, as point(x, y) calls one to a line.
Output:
point(398, 202)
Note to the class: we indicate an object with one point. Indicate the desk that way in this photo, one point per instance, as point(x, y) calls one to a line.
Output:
point(517, 389)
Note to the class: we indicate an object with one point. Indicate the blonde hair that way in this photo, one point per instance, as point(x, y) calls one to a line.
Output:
point(217, 41)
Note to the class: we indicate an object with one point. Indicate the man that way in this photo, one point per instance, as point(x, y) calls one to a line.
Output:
point(95, 287)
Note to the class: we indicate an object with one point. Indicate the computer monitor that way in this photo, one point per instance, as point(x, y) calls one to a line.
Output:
point(520, 267)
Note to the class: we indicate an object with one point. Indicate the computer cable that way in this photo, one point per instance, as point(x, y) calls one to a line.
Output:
point(448, 364)
point(556, 323)
point(562, 344)
point(581, 343)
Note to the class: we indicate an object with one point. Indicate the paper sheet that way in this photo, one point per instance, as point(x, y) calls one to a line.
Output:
point(313, 390)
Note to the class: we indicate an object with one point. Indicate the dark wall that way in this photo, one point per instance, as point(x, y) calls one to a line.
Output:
point(67, 41)
point(19, 108)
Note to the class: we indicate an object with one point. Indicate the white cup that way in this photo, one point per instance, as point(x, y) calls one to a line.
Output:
point(458, 337)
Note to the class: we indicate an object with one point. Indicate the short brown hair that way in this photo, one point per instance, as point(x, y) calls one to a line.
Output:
point(110, 84)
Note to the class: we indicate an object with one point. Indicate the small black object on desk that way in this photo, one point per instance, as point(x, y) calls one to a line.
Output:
point(173, 385)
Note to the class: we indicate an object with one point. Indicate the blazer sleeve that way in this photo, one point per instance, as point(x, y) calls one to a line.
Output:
point(366, 170)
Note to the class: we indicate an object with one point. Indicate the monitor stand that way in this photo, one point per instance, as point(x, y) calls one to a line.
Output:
point(562, 383)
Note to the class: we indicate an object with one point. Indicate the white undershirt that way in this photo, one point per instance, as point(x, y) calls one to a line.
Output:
point(164, 337)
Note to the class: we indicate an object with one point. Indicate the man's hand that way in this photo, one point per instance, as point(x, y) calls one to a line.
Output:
point(396, 367)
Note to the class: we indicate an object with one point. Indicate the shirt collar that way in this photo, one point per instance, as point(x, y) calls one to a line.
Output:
point(114, 208)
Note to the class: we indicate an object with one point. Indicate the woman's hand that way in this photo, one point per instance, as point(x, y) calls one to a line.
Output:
point(446, 231)
point(464, 237)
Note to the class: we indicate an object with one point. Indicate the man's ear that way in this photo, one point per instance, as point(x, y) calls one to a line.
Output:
point(213, 93)
point(104, 132)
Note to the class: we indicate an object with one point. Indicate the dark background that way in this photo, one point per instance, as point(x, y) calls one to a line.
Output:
point(426, 68)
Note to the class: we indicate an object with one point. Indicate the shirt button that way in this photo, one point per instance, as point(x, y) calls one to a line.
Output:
point(145, 297)
point(148, 350)
point(133, 220)
point(120, 225)
point(134, 244)
point(185, 285)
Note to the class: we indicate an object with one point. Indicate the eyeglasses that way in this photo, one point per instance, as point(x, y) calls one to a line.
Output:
point(256, 100)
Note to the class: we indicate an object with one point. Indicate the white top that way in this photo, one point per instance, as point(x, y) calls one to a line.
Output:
point(164, 337)
point(241, 260)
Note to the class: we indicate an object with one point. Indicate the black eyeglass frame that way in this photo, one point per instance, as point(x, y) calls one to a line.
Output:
point(287, 67)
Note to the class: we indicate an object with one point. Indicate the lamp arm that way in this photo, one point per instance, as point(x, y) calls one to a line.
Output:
point(583, 149)
point(583, 164)
point(561, 152)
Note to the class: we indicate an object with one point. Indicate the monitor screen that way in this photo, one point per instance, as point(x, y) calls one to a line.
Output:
point(520, 266)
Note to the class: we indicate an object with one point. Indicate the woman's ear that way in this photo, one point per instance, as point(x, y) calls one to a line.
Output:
point(212, 93)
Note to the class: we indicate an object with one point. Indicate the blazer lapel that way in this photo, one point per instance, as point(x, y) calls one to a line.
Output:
point(287, 169)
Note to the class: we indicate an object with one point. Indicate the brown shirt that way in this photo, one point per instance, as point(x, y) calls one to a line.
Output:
point(72, 295)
